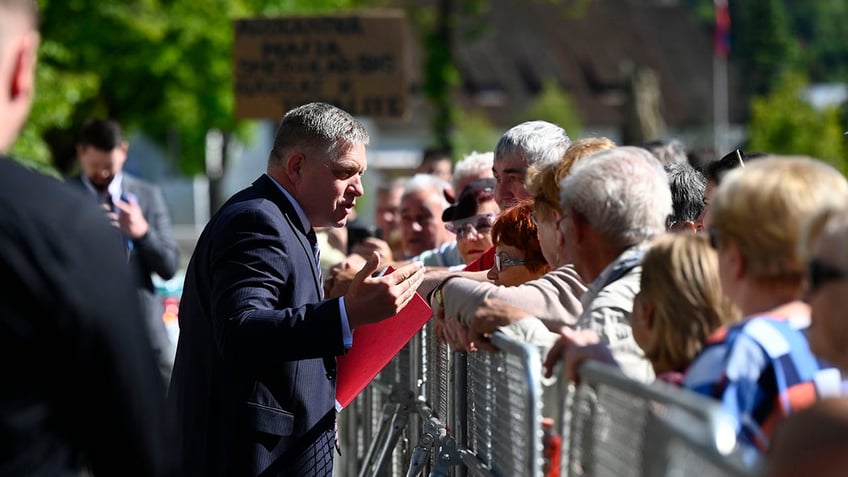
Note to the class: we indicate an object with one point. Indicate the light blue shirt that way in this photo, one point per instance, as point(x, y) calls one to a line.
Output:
point(347, 335)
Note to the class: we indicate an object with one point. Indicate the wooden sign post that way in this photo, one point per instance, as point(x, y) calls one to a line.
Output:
point(358, 62)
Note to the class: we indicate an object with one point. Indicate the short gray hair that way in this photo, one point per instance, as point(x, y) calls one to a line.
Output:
point(472, 165)
point(423, 181)
point(317, 125)
point(537, 142)
point(622, 192)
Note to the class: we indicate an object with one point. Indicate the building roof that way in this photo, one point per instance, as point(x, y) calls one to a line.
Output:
point(586, 46)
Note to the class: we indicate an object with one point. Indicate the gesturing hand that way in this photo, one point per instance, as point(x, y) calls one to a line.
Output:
point(372, 299)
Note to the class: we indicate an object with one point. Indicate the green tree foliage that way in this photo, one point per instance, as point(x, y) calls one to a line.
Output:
point(761, 38)
point(782, 122)
point(473, 132)
point(554, 105)
point(821, 29)
point(163, 67)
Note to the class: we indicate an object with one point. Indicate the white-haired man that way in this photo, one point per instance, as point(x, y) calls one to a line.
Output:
point(612, 204)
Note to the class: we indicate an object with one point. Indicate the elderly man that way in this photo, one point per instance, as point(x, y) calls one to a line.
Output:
point(612, 206)
point(522, 146)
point(612, 203)
point(423, 233)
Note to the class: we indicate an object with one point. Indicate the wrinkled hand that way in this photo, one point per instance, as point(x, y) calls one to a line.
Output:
point(341, 275)
point(372, 299)
point(457, 336)
point(131, 219)
point(573, 347)
point(449, 329)
point(490, 316)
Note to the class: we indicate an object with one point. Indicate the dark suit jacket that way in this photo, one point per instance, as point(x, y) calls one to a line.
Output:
point(79, 378)
point(157, 252)
point(253, 382)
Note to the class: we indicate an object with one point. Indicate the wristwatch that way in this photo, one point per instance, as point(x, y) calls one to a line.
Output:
point(440, 299)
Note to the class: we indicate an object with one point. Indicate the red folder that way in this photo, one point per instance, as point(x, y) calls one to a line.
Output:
point(374, 346)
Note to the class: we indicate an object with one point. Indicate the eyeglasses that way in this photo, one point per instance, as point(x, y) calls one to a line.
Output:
point(534, 219)
point(478, 224)
point(820, 274)
point(502, 260)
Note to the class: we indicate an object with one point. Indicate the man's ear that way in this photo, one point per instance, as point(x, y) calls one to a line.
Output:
point(580, 225)
point(23, 68)
point(685, 226)
point(294, 166)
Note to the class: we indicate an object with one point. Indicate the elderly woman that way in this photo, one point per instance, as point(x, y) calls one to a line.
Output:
point(518, 254)
point(472, 217)
point(554, 297)
point(761, 368)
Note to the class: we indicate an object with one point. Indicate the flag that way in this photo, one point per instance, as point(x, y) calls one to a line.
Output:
point(721, 34)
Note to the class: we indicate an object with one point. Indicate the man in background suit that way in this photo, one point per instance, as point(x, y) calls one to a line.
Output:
point(80, 384)
point(137, 209)
point(254, 377)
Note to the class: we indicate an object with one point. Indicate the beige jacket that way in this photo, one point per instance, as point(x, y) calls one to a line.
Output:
point(554, 298)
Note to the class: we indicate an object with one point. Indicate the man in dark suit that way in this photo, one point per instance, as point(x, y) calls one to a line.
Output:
point(80, 384)
point(254, 377)
point(137, 209)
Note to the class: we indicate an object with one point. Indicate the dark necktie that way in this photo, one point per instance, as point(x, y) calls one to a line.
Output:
point(316, 252)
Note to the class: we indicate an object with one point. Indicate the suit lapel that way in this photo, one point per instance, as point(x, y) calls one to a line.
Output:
point(270, 190)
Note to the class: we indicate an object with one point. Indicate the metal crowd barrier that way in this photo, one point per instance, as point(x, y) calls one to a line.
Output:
point(615, 426)
point(503, 410)
point(435, 412)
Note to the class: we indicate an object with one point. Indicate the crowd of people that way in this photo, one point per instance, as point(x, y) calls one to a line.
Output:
point(727, 280)
point(713, 279)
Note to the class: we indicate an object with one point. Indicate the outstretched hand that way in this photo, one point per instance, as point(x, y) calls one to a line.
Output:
point(372, 299)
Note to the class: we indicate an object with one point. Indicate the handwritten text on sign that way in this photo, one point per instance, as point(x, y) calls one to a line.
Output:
point(357, 62)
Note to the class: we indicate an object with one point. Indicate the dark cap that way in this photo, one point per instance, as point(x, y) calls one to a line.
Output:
point(473, 194)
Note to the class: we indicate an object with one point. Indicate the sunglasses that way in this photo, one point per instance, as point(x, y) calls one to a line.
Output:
point(478, 225)
point(820, 274)
point(502, 260)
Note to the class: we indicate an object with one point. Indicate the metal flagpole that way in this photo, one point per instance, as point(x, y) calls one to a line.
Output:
point(721, 50)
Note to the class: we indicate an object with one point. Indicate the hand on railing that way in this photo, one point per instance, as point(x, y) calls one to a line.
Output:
point(457, 336)
point(574, 347)
point(489, 317)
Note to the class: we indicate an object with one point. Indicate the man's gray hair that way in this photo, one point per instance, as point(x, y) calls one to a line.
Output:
point(320, 126)
point(537, 142)
point(622, 192)
point(422, 182)
point(472, 165)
